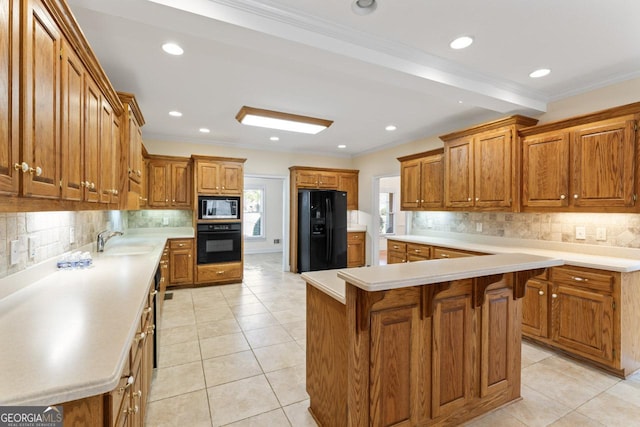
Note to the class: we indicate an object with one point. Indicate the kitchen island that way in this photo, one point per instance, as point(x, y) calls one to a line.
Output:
point(432, 342)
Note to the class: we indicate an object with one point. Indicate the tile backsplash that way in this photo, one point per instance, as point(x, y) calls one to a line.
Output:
point(51, 232)
point(159, 218)
point(621, 230)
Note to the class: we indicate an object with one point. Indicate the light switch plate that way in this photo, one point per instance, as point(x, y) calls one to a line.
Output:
point(14, 252)
point(165, 221)
point(72, 235)
point(581, 233)
point(479, 227)
point(601, 234)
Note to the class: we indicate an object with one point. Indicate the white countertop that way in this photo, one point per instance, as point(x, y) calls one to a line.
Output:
point(394, 276)
point(328, 282)
point(66, 334)
point(624, 260)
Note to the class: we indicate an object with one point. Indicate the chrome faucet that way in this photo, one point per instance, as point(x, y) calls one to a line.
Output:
point(104, 236)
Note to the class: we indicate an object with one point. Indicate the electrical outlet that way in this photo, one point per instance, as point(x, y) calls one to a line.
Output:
point(479, 227)
point(601, 234)
point(33, 243)
point(72, 235)
point(429, 223)
point(165, 220)
point(581, 233)
point(276, 241)
point(14, 252)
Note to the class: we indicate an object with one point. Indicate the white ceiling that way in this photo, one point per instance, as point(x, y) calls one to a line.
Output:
point(318, 58)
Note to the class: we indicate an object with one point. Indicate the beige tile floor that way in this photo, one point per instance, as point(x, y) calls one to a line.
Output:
point(235, 355)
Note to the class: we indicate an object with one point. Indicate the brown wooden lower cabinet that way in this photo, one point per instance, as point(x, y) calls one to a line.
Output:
point(400, 358)
point(590, 314)
point(126, 405)
point(356, 248)
point(181, 262)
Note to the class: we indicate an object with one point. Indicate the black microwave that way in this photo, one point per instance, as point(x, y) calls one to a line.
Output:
point(218, 207)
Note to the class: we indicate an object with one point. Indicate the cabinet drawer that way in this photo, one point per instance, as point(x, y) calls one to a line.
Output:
point(219, 272)
point(415, 251)
point(396, 246)
point(181, 243)
point(439, 253)
point(355, 236)
point(591, 279)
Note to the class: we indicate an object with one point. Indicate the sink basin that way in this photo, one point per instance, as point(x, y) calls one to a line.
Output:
point(128, 250)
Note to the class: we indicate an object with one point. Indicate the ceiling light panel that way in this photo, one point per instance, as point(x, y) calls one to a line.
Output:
point(282, 121)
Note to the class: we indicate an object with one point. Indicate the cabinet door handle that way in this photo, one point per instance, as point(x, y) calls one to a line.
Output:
point(444, 255)
point(579, 279)
point(540, 292)
point(554, 295)
point(396, 247)
point(24, 167)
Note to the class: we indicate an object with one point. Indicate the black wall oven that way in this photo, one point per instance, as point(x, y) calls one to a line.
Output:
point(219, 242)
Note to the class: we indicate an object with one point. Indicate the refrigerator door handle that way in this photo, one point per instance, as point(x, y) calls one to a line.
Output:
point(329, 223)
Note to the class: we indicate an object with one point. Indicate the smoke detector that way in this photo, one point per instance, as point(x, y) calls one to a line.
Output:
point(363, 7)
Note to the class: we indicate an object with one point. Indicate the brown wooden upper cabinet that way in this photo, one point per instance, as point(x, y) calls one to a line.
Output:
point(421, 181)
point(481, 169)
point(349, 182)
point(224, 176)
point(131, 134)
point(582, 164)
point(170, 182)
point(9, 102)
point(328, 179)
point(60, 111)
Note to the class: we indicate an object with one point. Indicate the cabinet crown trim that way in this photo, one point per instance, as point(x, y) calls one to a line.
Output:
point(423, 154)
point(217, 159)
point(597, 116)
point(516, 120)
point(315, 169)
point(130, 99)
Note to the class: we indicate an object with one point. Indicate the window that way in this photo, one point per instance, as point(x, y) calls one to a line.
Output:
point(253, 213)
point(386, 213)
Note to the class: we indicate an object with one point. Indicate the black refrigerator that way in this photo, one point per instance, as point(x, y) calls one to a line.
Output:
point(322, 230)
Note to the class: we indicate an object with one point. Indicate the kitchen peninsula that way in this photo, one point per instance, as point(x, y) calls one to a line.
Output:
point(433, 341)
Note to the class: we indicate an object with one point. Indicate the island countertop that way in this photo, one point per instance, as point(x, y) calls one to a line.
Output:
point(394, 276)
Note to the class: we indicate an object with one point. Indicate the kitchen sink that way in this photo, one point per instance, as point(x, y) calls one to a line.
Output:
point(123, 250)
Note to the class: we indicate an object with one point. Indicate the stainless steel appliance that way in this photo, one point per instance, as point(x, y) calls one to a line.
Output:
point(322, 230)
point(219, 242)
point(218, 207)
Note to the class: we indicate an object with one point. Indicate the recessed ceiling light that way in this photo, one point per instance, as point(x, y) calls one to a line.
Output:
point(172, 49)
point(461, 42)
point(460, 102)
point(539, 73)
point(281, 121)
point(175, 113)
point(390, 128)
point(274, 138)
point(363, 7)
point(342, 146)
point(204, 130)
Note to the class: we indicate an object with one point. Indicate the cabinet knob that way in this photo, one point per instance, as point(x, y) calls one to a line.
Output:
point(554, 295)
point(417, 201)
point(477, 199)
point(444, 255)
point(421, 201)
point(137, 394)
point(138, 172)
point(575, 196)
point(140, 336)
point(154, 292)
point(220, 272)
point(166, 200)
point(540, 292)
point(468, 199)
point(130, 381)
point(417, 250)
point(148, 310)
point(24, 167)
point(562, 197)
point(223, 188)
point(92, 186)
point(174, 200)
point(37, 171)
